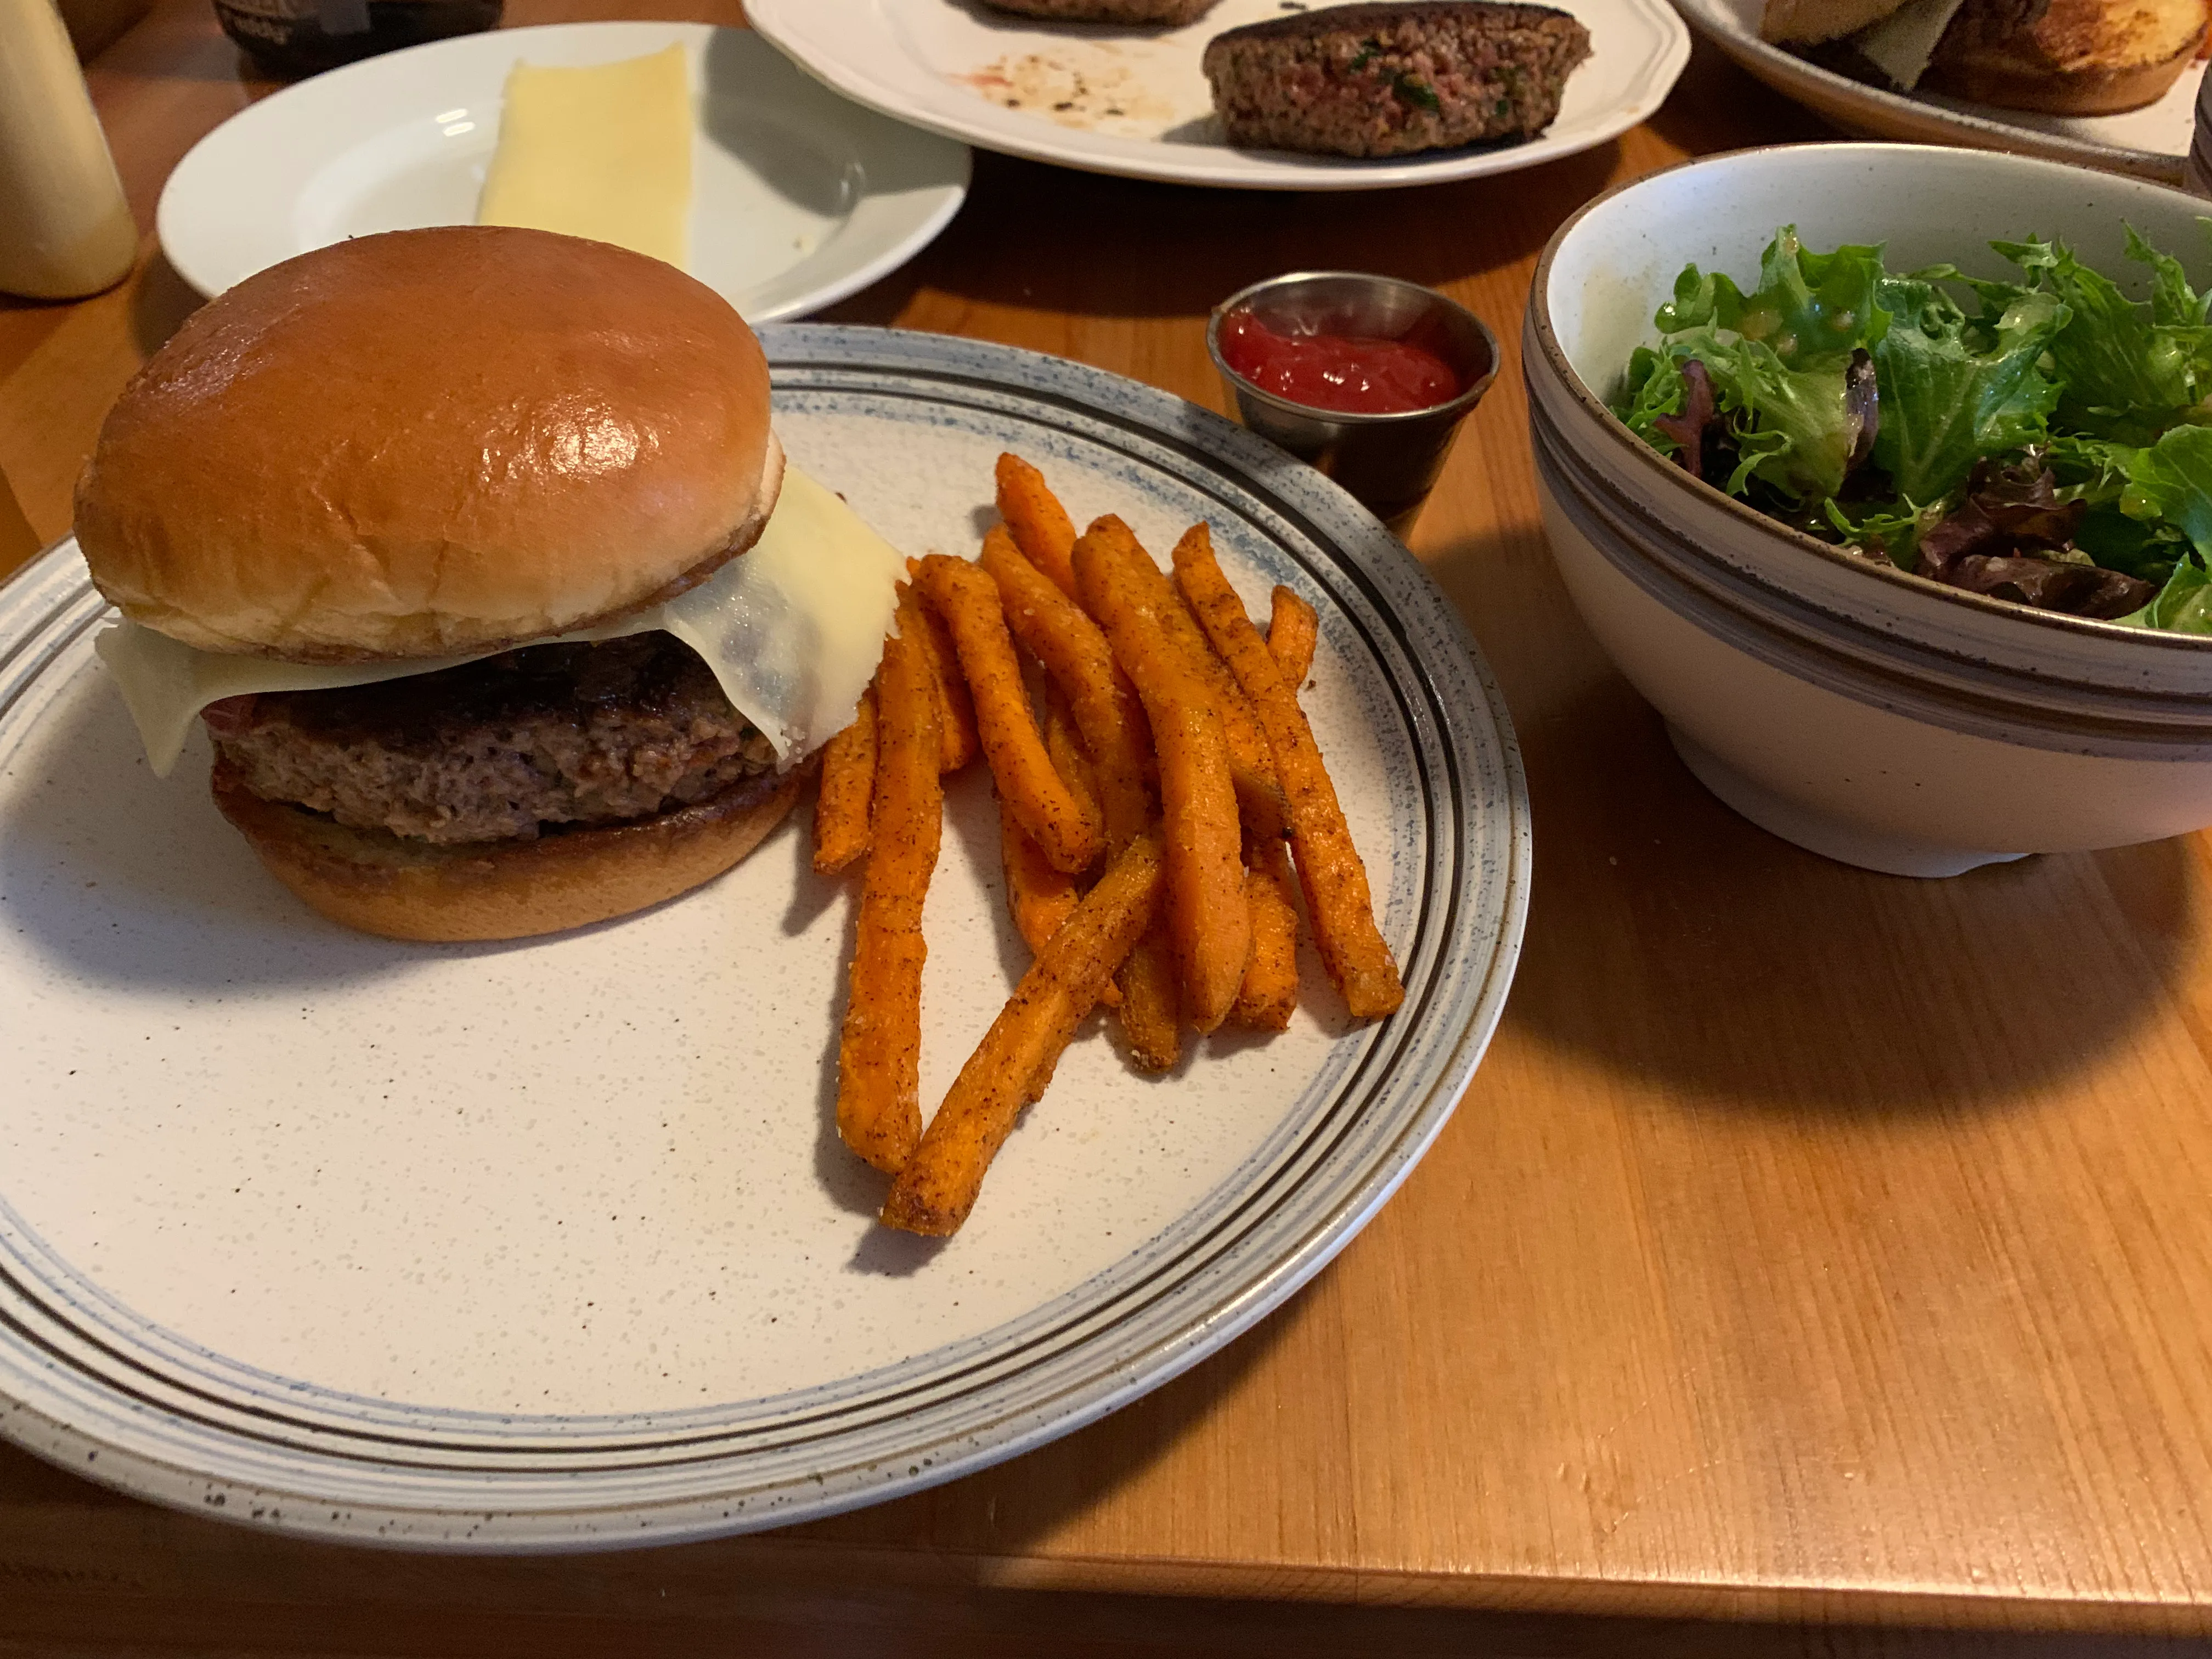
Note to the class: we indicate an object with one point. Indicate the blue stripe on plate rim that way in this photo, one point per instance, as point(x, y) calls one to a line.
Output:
point(85, 1382)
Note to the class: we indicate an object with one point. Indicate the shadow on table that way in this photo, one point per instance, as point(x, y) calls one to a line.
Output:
point(1718, 106)
point(1041, 239)
point(160, 302)
point(1669, 938)
point(1010, 1510)
point(93, 1573)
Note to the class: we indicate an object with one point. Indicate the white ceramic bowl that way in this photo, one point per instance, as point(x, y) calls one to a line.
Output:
point(1873, 716)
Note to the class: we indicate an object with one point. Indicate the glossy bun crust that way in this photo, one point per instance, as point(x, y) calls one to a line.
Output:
point(412, 889)
point(429, 442)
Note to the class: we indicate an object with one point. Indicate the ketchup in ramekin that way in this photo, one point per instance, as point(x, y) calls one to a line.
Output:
point(1343, 373)
point(1365, 377)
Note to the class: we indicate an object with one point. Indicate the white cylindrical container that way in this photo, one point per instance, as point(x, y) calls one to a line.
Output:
point(65, 230)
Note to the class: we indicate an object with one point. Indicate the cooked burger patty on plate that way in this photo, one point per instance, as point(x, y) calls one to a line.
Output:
point(1394, 79)
point(496, 749)
point(1107, 11)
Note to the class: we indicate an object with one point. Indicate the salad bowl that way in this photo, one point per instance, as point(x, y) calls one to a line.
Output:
point(1871, 715)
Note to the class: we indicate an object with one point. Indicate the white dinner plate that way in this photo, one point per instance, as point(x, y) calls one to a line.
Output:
point(2151, 142)
point(551, 1244)
point(1135, 101)
point(798, 198)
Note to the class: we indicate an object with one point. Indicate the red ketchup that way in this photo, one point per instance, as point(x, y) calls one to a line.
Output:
point(1345, 373)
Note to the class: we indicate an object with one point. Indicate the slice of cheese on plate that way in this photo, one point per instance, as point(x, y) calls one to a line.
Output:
point(1902, 44)
point(793, 629)
point(603, 151)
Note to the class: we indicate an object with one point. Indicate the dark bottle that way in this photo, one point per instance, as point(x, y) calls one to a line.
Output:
point(292, 38)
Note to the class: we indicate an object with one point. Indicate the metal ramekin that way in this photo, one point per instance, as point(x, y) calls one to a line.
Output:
point(1388, 462)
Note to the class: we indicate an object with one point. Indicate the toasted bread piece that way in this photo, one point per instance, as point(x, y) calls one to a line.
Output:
point(1809, 22)
point(2067, 56)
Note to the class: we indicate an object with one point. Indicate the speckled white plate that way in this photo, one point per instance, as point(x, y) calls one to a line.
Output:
point(551, 1245)
point(1135, 101)
point(2150, 143)
point(798, 198)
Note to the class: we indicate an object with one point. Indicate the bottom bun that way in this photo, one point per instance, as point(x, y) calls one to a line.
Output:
point(379, 883)
point(2067, 56)
point(2026, 86)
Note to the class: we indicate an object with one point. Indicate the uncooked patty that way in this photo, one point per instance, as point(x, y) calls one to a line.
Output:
point(1391, 80)
point(497, 750)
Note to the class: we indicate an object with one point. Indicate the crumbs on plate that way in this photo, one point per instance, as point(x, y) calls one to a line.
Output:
point(1075, 93)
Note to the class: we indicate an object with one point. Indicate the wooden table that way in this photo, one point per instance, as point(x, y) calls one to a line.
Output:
point(1814, 1247)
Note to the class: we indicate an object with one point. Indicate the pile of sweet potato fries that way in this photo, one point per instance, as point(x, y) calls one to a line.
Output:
point(1144, 821)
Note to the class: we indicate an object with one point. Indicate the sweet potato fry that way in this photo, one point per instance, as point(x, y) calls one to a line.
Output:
point(1338, 900)
point(880, 1049)
point(956, 745)
point(1064, 742)
point(1076, 656)
point(1207, 923)
point(1040, 524)
point(1292, 632)
point(1151, 1008)
point(848, 783)
point(1070, 837)
point(1270, 990)
point(937, 1189)
point(1055, 630)
point(1259, 801)
point(1247, 743)
point(1039, 895)
point(1073, 763)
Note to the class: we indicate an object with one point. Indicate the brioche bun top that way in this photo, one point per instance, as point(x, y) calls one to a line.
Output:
point(429, 442)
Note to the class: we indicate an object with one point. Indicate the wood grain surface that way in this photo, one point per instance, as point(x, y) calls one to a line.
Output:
point(1814, 1248)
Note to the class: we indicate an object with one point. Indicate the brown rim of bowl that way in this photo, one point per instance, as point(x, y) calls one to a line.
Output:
point(1457, 406)
point(1540, 317)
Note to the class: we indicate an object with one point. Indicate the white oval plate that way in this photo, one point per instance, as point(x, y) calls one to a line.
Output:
point(2151, 142)
point(1136, 102)
point(551, 1245)
point(798, 198)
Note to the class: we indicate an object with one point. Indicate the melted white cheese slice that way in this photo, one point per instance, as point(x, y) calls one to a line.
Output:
point(1903, 43)
point(793, 629)
point(603, 151)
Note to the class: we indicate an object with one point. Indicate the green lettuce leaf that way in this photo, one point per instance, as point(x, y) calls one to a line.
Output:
point(1807, 307)
point(2171, 480)
point(1777, 357)
point(2147, 549)
point(2123, 373)
point(1793, 430)
point(1651, 389)
point(2184, 606)
point(2169, 491)
point(2092, 470)
point(1894, 527)
point(1789, 426)
point(2174, 303)
point(1955, 389)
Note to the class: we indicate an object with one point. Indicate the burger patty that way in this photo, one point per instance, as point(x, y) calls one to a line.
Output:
point(501, 749)
point(1107, 11)
point(1390, 80)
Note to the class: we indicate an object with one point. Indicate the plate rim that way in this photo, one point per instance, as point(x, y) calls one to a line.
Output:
point(204, 279)
point(1257, 1276)
point(770, 21)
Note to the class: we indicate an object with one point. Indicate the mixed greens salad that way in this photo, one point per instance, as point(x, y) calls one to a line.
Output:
point(2046, 440)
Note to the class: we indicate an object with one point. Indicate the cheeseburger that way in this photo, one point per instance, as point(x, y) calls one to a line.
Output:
point(474, 553)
